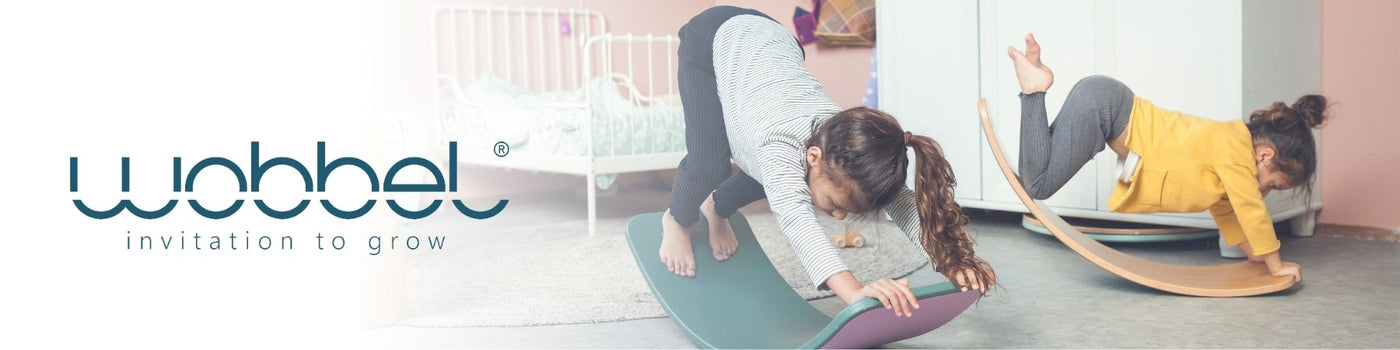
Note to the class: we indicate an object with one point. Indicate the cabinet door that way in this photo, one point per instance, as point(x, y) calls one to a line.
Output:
point(1282, 60)
point(1181, 55)
point(1066, 31)
point(928, 79)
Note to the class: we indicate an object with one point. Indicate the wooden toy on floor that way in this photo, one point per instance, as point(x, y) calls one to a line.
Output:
point(852, 239)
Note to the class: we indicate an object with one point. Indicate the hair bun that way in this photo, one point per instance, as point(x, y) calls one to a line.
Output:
point(1311, 110)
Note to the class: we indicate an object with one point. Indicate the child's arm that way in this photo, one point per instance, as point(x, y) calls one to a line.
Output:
point(905, 213)
point(789, 196)
point(1248, 212)
point(784, 181)
point(1280, 268)
point(895, 295)
point(1226, 221)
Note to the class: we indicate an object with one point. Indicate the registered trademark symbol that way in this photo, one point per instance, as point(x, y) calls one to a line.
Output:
point(501, 149)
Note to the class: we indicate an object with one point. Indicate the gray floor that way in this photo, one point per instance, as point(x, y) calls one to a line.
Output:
point(1052, 298)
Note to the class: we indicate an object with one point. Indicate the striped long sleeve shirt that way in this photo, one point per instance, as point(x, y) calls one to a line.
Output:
point(771, 106)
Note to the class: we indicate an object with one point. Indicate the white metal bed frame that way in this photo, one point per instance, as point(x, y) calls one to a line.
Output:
point(533, 42)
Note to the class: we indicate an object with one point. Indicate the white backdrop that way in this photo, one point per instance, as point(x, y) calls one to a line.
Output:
point(152, 80)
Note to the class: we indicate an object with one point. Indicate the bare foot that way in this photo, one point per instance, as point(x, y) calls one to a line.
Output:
point(722, 239)
point(676, 252)
point(1033, 75)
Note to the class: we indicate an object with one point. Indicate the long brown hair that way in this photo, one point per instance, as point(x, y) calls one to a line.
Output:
point(866, 148)
point(1289, 130)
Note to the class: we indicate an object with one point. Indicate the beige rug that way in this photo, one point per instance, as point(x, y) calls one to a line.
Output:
point(556, 274)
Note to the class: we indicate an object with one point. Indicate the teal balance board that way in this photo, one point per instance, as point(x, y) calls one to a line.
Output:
point(744, 303)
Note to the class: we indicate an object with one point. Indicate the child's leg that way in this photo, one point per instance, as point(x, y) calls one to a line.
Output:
point(1095, 112)
point(739, 190)
point(706, 163)
point(736, 192)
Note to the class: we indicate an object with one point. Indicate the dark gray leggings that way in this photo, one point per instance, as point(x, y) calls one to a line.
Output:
point(706, 168)
point(1095, 112)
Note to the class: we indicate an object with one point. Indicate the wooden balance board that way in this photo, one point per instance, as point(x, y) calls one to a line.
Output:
point(744, 302)
point(1226, 280)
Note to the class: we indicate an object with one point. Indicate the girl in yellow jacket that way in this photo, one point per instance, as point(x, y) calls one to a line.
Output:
point(1170, 161)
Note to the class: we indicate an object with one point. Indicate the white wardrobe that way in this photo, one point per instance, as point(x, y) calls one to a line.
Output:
point(1218, 59)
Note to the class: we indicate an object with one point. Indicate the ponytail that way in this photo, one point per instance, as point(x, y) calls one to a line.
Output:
point(943, 226)
point(1306, 111)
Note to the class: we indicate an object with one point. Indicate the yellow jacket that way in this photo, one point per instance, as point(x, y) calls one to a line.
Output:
point(1190, 164)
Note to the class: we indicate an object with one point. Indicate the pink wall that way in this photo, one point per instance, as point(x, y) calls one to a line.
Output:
point(842, 70)
point(1360, 150)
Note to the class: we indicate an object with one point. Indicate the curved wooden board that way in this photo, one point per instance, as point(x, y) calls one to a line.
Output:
point(1226, 280)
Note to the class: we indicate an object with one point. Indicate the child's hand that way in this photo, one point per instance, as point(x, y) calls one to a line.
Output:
point(1278, 267)
point(966, 278)
point(895, 295)
point(1289, 269)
